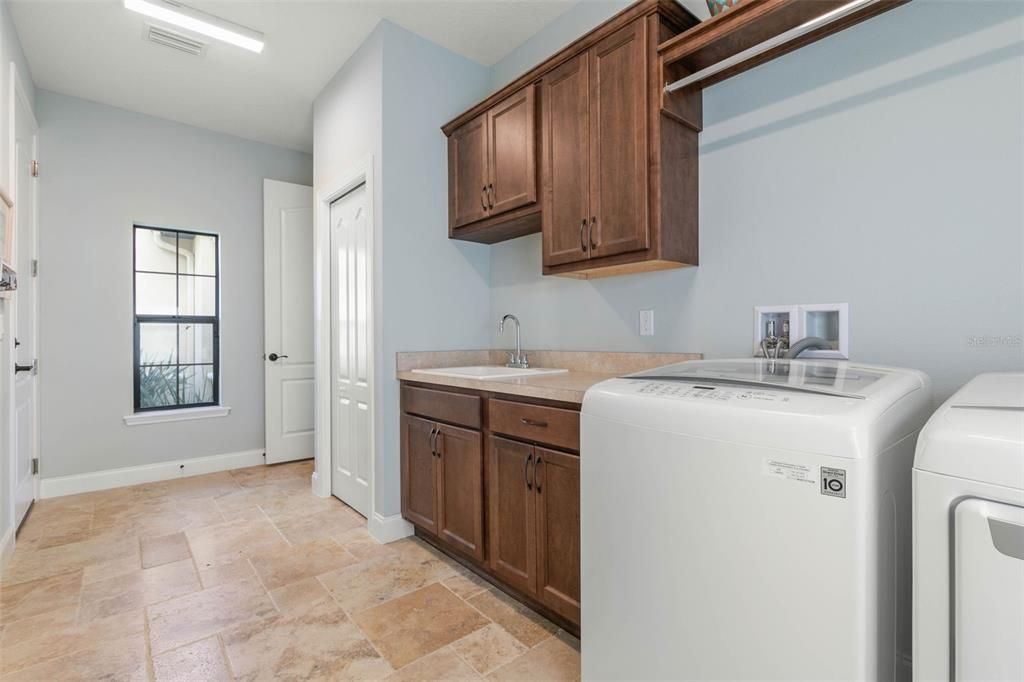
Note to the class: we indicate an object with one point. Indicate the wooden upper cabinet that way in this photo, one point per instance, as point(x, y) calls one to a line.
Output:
point(512, 513)
point(558, 531)
point(467, 173)
point(617, 161)
point(460, 458)
point(492, 172)
point(565, 111)
point(419, 473)
point(618, 143)
point(512, 148)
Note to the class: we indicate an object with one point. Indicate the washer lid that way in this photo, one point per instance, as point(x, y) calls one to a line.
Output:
point(822, 377)
point(978, 434)
point(1000, 391)
point(817, 406)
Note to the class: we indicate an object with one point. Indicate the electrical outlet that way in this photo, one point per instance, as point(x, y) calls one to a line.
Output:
point(646, 323)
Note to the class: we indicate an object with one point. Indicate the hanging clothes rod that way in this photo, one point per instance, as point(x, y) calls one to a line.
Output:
point(781, 39)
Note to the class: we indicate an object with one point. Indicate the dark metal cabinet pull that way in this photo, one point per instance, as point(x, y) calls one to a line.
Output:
point(526, 472)
point(490, 196)
point(534, 422)
point(536, 480)
point(593, 222)
point(483, 197)
point(433, 440)
point(583, 244)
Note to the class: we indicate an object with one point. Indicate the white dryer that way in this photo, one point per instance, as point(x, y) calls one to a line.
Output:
point(969, 535)
point(749, 520)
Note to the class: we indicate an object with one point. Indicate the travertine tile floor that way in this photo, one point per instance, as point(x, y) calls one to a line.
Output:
point(247, 575)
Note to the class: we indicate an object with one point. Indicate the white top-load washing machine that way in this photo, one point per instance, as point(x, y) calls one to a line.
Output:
point(749, 520)
point(969, 535)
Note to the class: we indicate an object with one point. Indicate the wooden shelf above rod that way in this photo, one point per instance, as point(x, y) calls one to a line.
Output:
point(755, 23)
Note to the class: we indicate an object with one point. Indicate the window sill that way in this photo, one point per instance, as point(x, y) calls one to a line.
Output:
point(183, 415)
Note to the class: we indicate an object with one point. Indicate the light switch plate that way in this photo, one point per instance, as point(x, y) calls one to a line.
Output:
point(646, 323)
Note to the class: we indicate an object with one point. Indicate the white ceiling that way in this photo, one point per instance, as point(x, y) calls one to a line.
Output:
point(95, 50)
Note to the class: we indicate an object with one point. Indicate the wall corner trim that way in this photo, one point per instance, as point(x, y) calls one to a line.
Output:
point(387, 529)
point(59, 486)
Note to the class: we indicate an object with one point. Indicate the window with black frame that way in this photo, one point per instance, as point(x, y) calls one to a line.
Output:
point(177, 319)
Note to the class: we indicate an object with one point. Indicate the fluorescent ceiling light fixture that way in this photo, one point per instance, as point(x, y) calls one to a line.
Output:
point(199, 22)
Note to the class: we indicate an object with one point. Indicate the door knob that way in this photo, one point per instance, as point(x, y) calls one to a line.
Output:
point(274, 357)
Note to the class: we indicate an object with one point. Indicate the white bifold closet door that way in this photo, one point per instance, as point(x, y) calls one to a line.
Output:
point(351, 346)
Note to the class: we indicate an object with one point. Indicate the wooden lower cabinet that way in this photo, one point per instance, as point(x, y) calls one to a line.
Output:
point(558, 531)
point(442, 483)
point(506, 505)
point(513, 514)
point(419, 473)
point(535, 522)
point(460, 461)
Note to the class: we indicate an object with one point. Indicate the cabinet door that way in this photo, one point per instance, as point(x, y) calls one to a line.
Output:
point(512, 514)
point(461, 490)
point(467, 173)
point(512, 145)
point(419, 473)
point(565, 157)
point(618, 143)
point(557, 488)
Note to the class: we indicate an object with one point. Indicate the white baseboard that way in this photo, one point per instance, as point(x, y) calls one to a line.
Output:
point(387, 529)
point(6, 548)
point(148, 473)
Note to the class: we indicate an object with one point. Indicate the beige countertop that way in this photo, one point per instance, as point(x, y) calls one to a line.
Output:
point(586, 368)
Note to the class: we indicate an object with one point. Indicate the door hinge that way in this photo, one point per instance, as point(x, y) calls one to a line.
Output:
point(35, 267)
point(35, 169)
point(35, 465)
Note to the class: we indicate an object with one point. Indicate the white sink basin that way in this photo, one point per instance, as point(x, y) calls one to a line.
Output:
point(489, 372)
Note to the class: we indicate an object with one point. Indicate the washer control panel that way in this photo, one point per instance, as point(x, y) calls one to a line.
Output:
point(683, 391)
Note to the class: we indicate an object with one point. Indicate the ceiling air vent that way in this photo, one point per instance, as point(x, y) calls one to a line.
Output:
point(168, 38)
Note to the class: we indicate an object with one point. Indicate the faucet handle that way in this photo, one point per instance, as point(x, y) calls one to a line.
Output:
point(511, 359)
point(523, 360)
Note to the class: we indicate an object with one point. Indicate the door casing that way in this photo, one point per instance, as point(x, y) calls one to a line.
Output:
point(21, 111)
point(384, 529)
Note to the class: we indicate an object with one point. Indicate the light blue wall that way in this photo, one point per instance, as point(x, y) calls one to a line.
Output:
point(106, 169)
point(435, 290)
point(583, 17)
point(391, 99)
point(882, 167)
point(347, 115)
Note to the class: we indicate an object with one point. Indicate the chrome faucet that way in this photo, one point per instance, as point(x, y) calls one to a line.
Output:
point(518, 357)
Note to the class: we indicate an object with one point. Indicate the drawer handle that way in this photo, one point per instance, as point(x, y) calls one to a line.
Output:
point(526, 472)
point(534, 422)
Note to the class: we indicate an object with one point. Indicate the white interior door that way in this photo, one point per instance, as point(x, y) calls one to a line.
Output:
point(288, 319)
point(351, 383)
point(24, 323)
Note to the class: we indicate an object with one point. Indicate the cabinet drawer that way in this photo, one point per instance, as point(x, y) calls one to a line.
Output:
point(536, 423)
point(454, 408)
